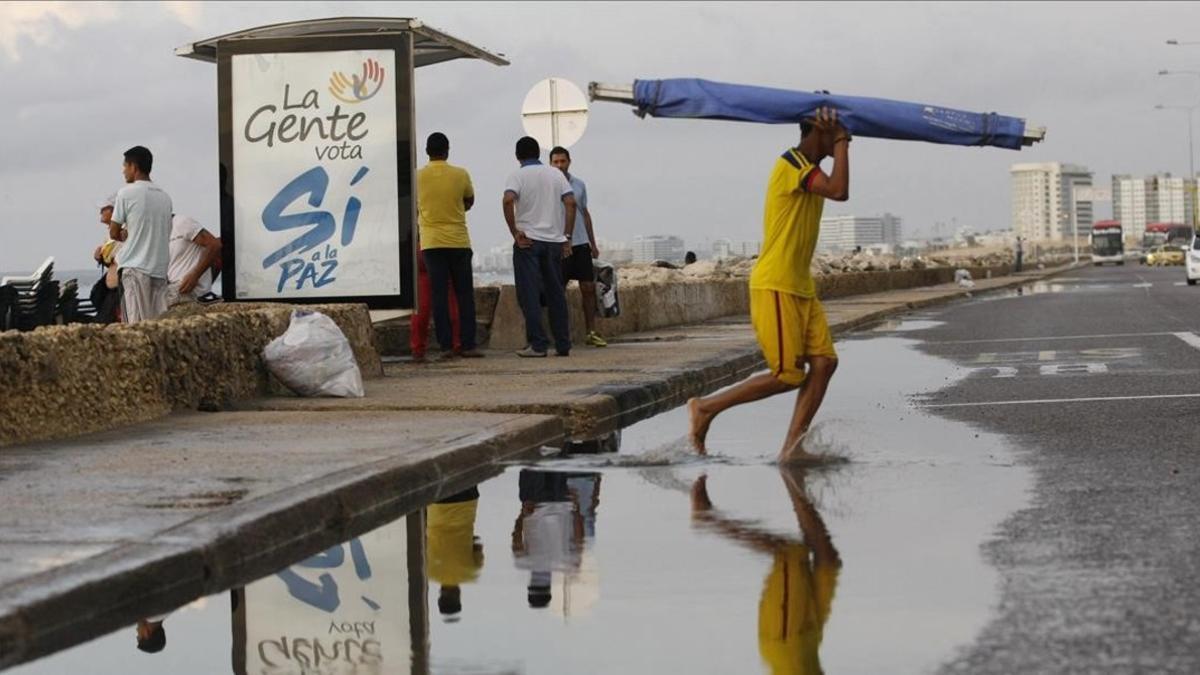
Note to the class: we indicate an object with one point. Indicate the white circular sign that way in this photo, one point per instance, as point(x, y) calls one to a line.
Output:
point(555, 113)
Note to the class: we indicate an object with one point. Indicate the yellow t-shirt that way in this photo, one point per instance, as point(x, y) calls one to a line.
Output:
point(793, 610)
point(450, 532)
point(441, 188)
point(791, 223)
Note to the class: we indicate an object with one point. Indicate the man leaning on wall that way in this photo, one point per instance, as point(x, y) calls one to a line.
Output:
point(194, 254)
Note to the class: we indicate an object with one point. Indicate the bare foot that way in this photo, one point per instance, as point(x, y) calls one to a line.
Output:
point(799, 458)
point(700, 421)
point(794, 454)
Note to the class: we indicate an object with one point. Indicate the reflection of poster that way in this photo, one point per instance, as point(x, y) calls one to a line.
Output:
point(342, 611)
point(315, 177)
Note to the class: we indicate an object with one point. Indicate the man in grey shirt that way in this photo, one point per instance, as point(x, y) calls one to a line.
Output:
point(143, 211)
point(583, 247)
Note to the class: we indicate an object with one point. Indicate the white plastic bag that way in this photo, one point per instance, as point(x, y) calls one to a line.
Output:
point(314, 358)
point(608, 303)
point(963, 278)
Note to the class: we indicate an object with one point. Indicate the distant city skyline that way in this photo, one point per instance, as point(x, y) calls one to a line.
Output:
point(64, 132)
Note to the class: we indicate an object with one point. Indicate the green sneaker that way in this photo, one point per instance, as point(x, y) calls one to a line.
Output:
point(593, 338)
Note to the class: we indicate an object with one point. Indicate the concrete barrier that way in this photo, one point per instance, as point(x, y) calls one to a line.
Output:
point(62, 381)
point(674, 303)
point(392, 336)
point(861, 283)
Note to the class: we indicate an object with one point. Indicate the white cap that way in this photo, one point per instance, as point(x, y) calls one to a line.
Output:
point(107, 202)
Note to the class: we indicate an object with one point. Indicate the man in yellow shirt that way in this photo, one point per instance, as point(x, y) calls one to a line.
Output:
point(444, 195)
point(787, 316)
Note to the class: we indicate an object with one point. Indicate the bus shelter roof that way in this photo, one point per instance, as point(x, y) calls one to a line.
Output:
point(430, 45)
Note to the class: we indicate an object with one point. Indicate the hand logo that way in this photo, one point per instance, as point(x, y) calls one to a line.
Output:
point(357, 88)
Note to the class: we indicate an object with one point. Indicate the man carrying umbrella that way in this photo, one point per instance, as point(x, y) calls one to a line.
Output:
point(788, 318)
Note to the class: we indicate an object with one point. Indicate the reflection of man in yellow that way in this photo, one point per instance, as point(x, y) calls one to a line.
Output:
point(455, 553)
point(798, 592)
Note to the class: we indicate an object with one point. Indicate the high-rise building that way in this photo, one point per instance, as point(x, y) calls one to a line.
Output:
point(615, 252)
point(1173, 202)
point(727, 248)
point(845, 233)
point(1043, 207)
point(1161, 198)
point(648, 248)
point(893, 229)
point(495, 259)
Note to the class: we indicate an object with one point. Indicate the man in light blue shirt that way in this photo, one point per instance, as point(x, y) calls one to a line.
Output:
point(578, 265)
point(143, 211)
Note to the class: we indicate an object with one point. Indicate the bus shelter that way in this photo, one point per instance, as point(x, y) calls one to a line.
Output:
point(316, 134)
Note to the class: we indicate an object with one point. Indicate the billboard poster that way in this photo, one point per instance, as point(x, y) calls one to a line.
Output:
point(316, 196)
point(345, 611)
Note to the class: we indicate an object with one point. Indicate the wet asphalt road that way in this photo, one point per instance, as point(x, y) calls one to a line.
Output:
point(1095, 380)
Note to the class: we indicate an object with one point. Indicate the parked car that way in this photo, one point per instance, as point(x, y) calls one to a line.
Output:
point(1165, 254)
point(1192, 270)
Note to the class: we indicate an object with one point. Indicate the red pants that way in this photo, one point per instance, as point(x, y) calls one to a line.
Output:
point(419, 335)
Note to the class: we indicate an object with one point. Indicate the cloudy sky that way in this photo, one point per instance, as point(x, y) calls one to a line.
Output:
point(85, 81)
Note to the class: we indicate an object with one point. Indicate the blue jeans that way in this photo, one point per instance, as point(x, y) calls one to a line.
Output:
point(538, 273)
point(448, 266)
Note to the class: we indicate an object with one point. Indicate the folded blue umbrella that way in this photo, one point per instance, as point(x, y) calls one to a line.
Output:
point(862, 116)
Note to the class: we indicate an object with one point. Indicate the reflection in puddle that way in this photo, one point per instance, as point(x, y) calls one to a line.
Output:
point(344, 610)
point(905, 325)
point(720, 564)
point(454, 555)
point(1042, 287)
point(556, 523)
point(798, 591)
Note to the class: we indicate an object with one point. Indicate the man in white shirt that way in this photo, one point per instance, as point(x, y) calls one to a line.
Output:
point(539, 208)
point(143, 210)
point(193, 253)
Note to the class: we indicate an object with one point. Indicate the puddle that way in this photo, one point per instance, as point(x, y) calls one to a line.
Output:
point(633, 555)
point(905, 326)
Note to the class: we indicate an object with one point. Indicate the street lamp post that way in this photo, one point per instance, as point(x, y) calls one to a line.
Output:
point(1191, 152)
point(1191, 155)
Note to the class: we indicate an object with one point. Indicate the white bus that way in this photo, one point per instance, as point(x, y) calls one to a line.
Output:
point(1107, 244)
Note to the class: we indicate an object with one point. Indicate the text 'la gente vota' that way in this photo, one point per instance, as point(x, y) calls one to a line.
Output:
point(265, 124)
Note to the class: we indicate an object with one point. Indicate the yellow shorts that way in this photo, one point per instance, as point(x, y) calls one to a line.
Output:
point(790, 329)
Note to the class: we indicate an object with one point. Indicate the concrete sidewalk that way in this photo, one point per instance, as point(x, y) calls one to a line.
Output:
point(596, 390)
point(99, 531)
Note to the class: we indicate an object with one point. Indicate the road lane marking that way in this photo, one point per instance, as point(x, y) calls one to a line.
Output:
point(1190, 338)
point(1041, 339)
point(1001, 371)
point(1072, 368)
point(1095, 354)
point(1089, 399)
point(1144, 285)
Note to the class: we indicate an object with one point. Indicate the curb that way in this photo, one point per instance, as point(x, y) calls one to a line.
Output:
point(234, 545)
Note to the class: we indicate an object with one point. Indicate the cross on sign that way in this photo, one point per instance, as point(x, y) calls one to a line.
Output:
point(555, 113)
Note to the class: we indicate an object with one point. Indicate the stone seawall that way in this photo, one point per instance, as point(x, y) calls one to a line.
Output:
point(648, 306)
point(63, 381)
